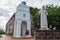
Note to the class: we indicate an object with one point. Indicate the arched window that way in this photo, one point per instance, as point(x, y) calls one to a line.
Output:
point(24, 15)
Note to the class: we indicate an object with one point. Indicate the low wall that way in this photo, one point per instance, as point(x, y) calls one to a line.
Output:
point(47, 35)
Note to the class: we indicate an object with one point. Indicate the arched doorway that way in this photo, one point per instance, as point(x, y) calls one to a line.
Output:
point(23, 28)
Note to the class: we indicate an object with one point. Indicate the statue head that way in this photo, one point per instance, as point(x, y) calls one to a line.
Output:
point(43, 7)
point(23, 2)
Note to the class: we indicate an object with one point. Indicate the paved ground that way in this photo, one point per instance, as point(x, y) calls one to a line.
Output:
point(6, 37)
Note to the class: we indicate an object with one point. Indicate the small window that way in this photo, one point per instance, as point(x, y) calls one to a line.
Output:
point(24, 15)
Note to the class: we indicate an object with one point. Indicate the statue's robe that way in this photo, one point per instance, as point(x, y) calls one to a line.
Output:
point(44, 23)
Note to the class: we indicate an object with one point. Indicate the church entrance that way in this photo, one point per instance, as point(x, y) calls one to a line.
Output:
point(23, 28)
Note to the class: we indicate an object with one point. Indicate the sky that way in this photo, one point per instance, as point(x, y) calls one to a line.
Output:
point(8, 7)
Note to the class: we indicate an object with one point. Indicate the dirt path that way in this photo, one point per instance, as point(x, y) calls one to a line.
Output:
point(6, 37)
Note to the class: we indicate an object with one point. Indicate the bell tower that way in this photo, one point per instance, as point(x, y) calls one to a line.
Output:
point(22, 25)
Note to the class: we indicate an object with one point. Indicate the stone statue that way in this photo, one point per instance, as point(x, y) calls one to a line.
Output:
point(43, 13)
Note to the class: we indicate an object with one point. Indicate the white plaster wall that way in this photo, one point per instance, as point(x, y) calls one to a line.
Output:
point(14, 34)
point(17, 29)
point(22, 9)
point(29, 27)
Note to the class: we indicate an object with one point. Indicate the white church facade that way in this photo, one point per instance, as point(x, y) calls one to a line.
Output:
point(19, 24)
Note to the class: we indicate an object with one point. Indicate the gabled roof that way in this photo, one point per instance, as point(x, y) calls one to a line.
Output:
point(11, 18)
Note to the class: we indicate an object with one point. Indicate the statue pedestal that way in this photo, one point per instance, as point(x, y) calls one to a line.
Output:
point(47, 34)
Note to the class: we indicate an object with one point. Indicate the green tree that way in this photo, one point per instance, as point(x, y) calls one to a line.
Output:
point(53, 16)
point(36, 17)
point(1, 31)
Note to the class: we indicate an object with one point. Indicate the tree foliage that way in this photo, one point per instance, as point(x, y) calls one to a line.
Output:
point(36, 17)
point(1, 31)
point(53, 16)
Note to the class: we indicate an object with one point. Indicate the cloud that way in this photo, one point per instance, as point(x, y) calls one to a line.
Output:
point(4, 13)
point(8, 7)
point(4, 16)
point(3, 21)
